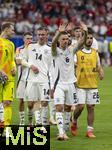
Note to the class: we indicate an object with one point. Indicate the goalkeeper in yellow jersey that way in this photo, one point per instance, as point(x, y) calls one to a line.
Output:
point(7, 72)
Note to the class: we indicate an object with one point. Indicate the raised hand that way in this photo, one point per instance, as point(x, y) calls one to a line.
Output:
point(69, 27)
point(62, 27)
point(83, 26)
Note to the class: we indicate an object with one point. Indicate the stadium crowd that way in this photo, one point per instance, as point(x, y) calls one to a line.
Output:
point(29, 14)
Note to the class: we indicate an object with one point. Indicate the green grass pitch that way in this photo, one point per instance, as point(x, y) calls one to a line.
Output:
point(102, 124)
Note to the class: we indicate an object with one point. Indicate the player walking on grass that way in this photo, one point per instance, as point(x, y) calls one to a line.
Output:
point(7, 70)
point(22, 72)
point(38, 59)
point(64, 89)
point(88, 70)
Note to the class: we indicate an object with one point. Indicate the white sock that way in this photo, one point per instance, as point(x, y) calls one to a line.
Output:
point(44, 115)
point(89, 128)
point(60, 123)
point(52, 109)
point(22, 117)
point(38, 117)
point(1, 112)
point(66, 120)
point(30, 117)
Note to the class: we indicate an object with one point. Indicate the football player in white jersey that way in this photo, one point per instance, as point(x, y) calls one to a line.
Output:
point(64, 79)
point(38, 59)
point(52, 110)
point(22, 72)
point(76, 34)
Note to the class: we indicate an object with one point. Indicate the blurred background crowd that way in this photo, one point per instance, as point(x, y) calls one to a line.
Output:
point(28, 15)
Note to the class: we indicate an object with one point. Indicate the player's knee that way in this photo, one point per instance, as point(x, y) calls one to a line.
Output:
point(44, 103)
point(59, 108)
point(21, 102)
point(30, 105)
point(67, 108)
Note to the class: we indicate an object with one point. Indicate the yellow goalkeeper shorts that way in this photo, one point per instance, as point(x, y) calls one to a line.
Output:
point(8, 91)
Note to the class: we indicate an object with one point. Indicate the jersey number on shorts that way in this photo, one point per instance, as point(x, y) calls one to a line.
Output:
point(46, 92)
point(96, 96)
point(75, 98)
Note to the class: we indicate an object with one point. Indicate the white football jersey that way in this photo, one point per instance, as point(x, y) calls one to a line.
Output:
point(22, 71)
point(74, 41)
point(94, 44)
point(40, 57)
point(64, 67)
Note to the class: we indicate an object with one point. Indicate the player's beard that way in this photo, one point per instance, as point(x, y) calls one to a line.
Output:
point(88, 44)
point(64, 46)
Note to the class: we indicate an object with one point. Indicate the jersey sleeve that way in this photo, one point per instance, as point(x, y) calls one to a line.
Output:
point(73, 48)
point(75, 58)
point(13, 64)
point(24, 56)
point(17, 51)
point(94, 44)
point(49, 62)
